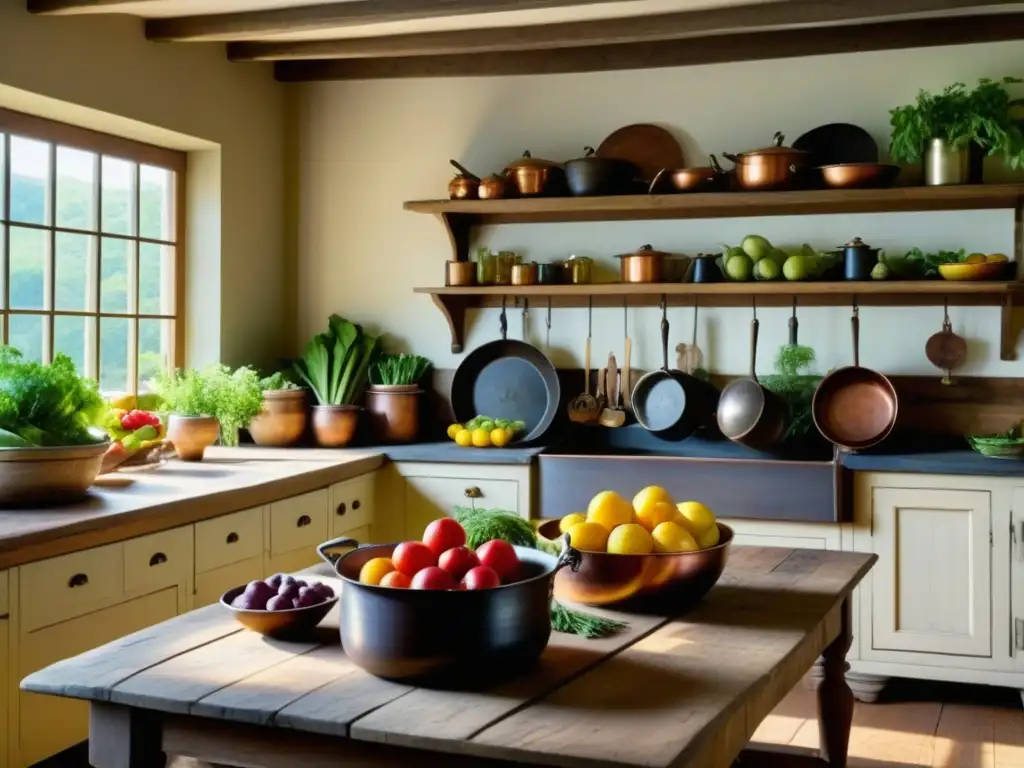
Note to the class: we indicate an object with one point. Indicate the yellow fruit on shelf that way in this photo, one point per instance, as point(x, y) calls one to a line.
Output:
point(996, 258)
point(570, 520)
point(975, 258)
point(630, 539)
point(464, 438)
point(453, 430)
point(500, 437)
point(481, 438)
point(651, 515)
point(709, 538)
point(609, 509)
point(648, 497)
point(588, 537)
point(672, 537)
point(695, 517)
point(376, 569)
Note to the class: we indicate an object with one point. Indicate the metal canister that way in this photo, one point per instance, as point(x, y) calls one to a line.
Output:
point(459, 273)
point(503, 269)
point(580, 269)
point(486, 266)
point(552, 273)
point(524, 274)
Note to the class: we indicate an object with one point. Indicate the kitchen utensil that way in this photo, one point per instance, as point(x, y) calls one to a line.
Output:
point(705, 268)
point(945, 350)
point(859, 175)
point(292, 624)
point(986, 271)
point(580, 269)
point(547, 335)
point(585, 408)
point(406, 634)
point(648, 147)
point(674, 581)
point(493, 187)
point(526, 320)
point(642, 266)
point(48, 475)
point(838, 144)
point(507, 379)
point(460, 273)
point(612, 416)
point(774, 167)
point(533, 176)
point(669, 403)
point(701, 179)
point(690, 358)
point(552, 273)
point(465, 185)
point(627, 373)
point(593, 175)
point(748, 413)
point(855, 407)
point(524, 274)
point(859, 259)
point(602, 382)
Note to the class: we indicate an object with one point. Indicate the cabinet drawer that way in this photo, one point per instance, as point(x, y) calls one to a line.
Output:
point(160, 560)
point(229, 539)
point(351, 504)
point(210, 585)
point(299, 522)
point(428, 498)
point(71, 585)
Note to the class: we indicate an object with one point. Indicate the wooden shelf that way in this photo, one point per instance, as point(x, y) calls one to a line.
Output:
point(454, 302)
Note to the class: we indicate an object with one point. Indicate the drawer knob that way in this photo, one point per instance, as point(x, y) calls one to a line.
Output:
point(78, 580)
point(342, 509)
point(473, 493)
point(157, 559)
point(303, 521)
point(232, 538)
point(356, 504)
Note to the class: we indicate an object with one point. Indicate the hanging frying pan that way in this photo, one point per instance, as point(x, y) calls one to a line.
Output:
point(507, 379)
point(855, 407)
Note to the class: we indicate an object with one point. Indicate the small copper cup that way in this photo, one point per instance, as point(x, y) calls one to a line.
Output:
point(524, 274)
point(459, 273)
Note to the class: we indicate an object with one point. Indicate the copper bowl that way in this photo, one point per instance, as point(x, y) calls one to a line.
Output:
point(290, 624)
point(656, 582)
point(859, 175)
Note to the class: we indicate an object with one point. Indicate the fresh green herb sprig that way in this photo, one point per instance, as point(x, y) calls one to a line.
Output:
point(795, 385)
point(336, 364)
point(233, 398)
point(395, 370)
point(277, 382)
point(586, 625)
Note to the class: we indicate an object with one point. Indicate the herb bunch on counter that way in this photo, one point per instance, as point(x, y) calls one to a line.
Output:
point(398, 370)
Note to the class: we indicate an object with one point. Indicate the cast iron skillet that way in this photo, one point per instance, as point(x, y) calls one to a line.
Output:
point(507, 379)
point(838, 143)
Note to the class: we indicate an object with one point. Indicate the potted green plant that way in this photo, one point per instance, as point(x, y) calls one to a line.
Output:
point(393, 397)
point(282, 420)
point(335, 368)
point(942, 128)
point(205, 403)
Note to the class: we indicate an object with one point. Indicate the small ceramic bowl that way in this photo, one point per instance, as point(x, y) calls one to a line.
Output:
point(990, 270)
point(289, 624)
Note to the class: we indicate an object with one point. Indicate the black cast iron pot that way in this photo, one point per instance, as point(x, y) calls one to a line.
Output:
point(593, 175)
point(445, 639)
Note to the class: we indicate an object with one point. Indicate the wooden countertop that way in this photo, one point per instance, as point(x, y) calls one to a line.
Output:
point(126, 505)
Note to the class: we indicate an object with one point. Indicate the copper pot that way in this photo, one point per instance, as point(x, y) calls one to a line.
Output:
point(702, 179)
point(393, 411)
point(643, 266)
point(859, 175)
point(492, 187)
point(335, 425)
point(459, 273)
point(524, 274)
point(282, 421)
point(533, 176)
point(465, 185)
point(768, 168)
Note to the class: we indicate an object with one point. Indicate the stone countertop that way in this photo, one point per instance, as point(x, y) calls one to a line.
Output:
point(447, 452)
point(954, 461)
point(129, 504)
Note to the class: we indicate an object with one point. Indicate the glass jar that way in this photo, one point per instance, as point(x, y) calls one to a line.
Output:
point(505, 261)
point(580, 269)
point(486, 266)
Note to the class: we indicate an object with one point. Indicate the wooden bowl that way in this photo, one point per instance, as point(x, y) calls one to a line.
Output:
point(656, 582)
point(286, 625)
point(989, 270)
point(34, 476)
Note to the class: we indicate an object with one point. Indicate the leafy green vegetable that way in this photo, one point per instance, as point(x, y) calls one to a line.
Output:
point(795, 385)
point(921, 264)
point(234, 399)
point(278, 381)
point(395, 370)
point(336, 364)
point(45, 405)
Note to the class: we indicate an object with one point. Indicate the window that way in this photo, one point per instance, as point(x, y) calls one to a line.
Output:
point(91, 250)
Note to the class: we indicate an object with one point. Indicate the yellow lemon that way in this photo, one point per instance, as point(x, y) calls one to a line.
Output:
point(500, 437)
point(996, 258)
point(695, 517)
point(709, 538)
point(672, 537)
point(975, 258)
point(649, 496)
point(609, 509)
point(630, 539)
point(589, 537)
point(654, 514)
point(481, 438)
point(453, 430)
point(464, 438)
point(376, 569)
point(569, 521)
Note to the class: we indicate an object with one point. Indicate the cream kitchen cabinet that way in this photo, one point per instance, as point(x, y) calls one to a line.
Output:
point(783, 533)
point(294, 528)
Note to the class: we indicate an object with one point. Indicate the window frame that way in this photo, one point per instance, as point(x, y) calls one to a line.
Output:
point(56, 133)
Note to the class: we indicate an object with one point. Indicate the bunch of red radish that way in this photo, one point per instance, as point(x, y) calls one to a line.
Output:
point(443, 561)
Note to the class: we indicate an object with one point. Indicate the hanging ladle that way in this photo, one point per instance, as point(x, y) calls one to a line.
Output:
point(946, 350)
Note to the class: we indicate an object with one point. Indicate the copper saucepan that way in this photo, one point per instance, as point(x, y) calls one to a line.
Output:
point(855, 407)
point(703, 179)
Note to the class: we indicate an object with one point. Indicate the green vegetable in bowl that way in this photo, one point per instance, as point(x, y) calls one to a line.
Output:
point(336, 364)
point(396, 370)
point(921, 264)
point(45, 405)
point(277, 382)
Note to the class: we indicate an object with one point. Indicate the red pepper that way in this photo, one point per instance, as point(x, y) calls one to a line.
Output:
point(137, 419)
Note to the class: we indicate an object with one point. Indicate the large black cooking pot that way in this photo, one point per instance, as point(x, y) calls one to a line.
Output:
point(441, 639)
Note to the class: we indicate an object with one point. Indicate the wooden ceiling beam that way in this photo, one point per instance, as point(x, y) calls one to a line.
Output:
point(712, 49)
point(641, 29)
point(253, 24)
point(78, 6)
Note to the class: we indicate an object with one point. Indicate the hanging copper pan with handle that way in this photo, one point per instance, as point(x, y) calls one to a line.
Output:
point(855, 407)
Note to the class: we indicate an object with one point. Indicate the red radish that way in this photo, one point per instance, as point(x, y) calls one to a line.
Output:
point(481, 577)
point(501, 557)
point(444, 534)
point(411, 557)
point(432, 578)
point(395, 579)
point(457, 561)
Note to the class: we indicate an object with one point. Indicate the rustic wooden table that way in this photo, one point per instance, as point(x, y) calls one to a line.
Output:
point(684, 691)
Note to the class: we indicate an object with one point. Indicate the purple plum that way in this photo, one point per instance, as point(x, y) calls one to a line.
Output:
point(242, 601)
point(289, 591)
point(300, 583)
point(275, 581)
point(306, 599)
point(257, 593)
point(279, 603)
point(323, 590)
point(286, 579)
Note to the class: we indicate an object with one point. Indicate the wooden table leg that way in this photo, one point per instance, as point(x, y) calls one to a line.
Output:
point(835, 699)
point(122, 737)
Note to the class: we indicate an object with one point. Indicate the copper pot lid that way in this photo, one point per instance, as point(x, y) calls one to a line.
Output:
point(529, 161)
point(776, 148)
point(644, 250)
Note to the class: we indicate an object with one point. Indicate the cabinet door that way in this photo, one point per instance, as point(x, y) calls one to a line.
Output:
point(49, 724)
point(299, 522)
point(212, 584)
point(352, 505)
point(1017, 579)
point(760, 533)
point(931, 586)
point(428, 498)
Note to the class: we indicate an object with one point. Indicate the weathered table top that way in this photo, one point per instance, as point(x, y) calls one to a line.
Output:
point(687, 691)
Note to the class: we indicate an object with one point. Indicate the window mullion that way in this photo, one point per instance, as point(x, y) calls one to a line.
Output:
point(50, 265)
point(5, 246)
point(133, 287)
point(92, 353)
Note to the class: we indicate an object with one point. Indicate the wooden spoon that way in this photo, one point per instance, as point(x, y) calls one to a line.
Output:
point(613, 416)
point(946, 350)
point(585, 408)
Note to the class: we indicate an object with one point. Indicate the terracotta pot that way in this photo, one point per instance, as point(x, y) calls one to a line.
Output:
point(394, 412)
point(192, 435)
point(335, 425)
point(282, 421)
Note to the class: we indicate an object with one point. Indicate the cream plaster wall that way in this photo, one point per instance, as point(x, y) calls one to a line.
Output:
point(102, 73)
point(365, 147)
